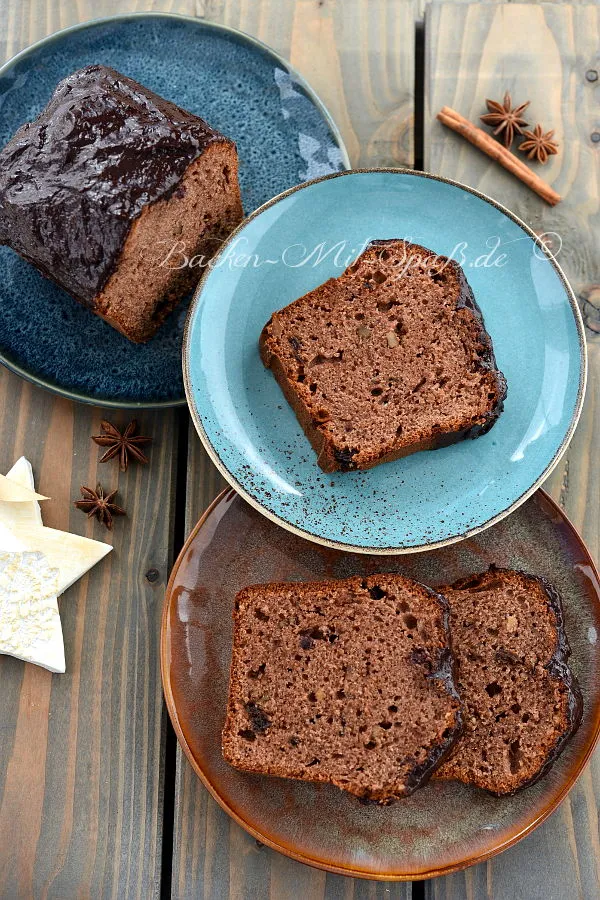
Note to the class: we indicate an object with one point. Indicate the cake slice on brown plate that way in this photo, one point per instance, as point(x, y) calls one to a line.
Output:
point(521, 700)
point(390, 358)
point(347, 682)
point(111, 189)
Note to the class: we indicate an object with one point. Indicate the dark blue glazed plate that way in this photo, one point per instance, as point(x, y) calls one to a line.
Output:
point(241, 87)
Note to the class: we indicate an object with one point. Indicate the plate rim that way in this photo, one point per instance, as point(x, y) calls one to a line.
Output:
point(300, 857)
point(342, 545)
point(195, 21)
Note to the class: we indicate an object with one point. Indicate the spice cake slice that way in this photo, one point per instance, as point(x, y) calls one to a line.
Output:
point(347, 682)
point(119, 196)
point(521, 700)
point(390, 358)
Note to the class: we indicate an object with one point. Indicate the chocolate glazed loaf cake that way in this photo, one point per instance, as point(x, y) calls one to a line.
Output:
point(390, 358)
point(100, 188)
point(346, 682)
point(522, 701)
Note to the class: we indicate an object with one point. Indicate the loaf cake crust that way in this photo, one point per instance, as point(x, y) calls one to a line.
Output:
point(347, 682)
point(96, 190)
point(522, 701)
point(388, 359)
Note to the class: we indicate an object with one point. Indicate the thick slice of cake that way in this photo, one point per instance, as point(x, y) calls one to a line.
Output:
point(390, 358)
point(347, 682)
point(111, 190)
point(521, 701)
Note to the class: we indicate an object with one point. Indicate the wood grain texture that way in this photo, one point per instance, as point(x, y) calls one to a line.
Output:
point(81, 754)
point(421, 10)
point(359, 57)
point(540, 53)
point(213, 857)
point(89, 821)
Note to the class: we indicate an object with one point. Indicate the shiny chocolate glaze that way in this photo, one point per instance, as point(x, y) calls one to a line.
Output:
point(73, 181)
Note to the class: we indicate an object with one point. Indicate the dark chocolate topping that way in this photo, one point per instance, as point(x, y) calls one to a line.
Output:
point(73, 181)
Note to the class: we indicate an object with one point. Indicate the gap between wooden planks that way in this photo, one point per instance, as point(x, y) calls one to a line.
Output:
point(541, 53)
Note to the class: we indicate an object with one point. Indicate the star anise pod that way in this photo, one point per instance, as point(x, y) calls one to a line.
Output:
point(97, 503)
point(124, 445)
point(507, 120)
point(538, 145)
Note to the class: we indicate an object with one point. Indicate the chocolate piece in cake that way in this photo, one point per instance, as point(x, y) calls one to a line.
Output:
point(347, 682)
point(111, 189)
point(390, 358)
point(522, 701)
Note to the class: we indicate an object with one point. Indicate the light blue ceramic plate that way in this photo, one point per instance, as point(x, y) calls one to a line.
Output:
point(284, 136)
point(308, 234)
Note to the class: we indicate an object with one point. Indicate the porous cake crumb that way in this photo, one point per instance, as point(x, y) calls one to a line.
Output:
point(347, 682)
point(390, 358)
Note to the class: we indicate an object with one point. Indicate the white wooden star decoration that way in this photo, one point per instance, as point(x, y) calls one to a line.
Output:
point(36, 565)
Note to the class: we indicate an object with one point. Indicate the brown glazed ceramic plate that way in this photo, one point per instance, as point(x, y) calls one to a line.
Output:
point(444, 826)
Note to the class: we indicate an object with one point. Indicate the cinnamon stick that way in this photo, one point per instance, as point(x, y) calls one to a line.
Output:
point(485, 142)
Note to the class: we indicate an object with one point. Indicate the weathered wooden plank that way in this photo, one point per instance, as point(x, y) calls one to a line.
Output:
point(424, 3)
point(81, 754)
point(540, 53)
point(213, 857)
point(359, 57)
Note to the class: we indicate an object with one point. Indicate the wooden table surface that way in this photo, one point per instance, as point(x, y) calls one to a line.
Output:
point(95, 798)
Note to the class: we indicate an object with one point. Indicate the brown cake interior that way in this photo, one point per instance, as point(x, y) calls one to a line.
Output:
point(521, 701)
point(346, 682)
point(192, 222)
point(390, 358)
